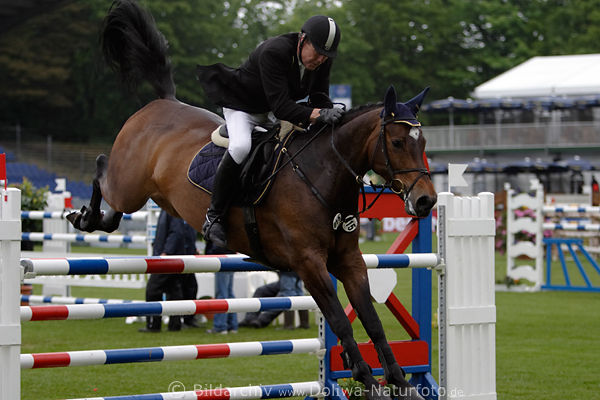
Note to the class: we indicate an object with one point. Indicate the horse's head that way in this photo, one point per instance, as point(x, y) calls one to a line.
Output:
point(398, 154)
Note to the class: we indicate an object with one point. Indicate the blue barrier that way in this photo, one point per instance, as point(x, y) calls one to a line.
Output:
point(570, 243)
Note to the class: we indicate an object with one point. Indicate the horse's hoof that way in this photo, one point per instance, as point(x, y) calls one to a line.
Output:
point(84, 220)
point(379, 393)
point(74, 218)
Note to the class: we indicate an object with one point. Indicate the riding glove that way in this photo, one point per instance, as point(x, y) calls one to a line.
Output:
point(330, 115)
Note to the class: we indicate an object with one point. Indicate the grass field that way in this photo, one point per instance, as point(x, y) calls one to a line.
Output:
point(547, 348)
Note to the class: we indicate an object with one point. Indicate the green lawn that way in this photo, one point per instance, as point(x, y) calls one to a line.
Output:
point(547, 348)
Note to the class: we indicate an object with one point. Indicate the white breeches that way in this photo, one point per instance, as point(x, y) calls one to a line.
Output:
point(240, 126)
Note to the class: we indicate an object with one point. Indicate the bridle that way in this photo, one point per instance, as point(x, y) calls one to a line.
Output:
point(403, 192)
point(351, 219)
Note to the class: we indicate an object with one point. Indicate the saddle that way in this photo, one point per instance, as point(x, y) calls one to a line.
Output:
point(257, 175)
point(257, 170)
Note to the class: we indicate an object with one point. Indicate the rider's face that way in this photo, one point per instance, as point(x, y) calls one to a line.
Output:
point(310, 57)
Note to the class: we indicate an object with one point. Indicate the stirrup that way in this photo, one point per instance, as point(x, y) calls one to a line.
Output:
point(219, 239)
point(207, 226)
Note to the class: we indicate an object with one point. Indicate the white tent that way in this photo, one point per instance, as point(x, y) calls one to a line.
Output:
point(574, 75)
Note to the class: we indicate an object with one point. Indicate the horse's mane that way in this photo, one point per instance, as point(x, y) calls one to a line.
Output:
point(357, 111)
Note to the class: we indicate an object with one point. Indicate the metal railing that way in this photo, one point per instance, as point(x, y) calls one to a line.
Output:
point(534, 136)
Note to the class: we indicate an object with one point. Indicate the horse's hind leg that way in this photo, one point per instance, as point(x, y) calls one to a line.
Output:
point(357, 289)
point(322, 290)
point(91, 218)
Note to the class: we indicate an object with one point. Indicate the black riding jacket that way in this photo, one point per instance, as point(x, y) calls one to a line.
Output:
point(268, 81)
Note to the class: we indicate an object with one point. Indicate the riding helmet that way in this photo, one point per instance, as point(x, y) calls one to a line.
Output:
point(323, 33)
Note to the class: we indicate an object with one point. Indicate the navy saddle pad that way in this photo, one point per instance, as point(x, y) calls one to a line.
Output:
point(202, 169)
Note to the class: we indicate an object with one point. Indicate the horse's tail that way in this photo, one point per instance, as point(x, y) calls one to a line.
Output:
point(134, 47)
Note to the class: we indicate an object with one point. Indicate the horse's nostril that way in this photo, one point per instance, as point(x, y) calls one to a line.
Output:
point(425, 204)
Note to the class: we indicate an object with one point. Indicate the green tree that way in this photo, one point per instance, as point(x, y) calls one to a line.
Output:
point(54, 80)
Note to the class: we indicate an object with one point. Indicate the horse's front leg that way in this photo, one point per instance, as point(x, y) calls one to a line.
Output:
point(321, 288)
point(353, 274)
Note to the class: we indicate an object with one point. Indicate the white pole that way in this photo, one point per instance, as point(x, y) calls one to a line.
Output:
point(10, 283)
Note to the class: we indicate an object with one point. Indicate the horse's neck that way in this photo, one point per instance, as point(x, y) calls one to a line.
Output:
point(335, 176)
point(352, 141)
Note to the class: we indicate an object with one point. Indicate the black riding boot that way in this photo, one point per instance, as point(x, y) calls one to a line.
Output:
point(225, 185)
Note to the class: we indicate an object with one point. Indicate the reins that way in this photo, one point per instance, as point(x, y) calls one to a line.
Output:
point(388, 184)
point(291, 158)
point(359, 179)
point(380, 188)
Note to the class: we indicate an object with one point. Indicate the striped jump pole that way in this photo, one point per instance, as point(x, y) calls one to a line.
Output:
point(169, 353)
point(40, 215)
point(174, 307)
point(37, 299)
point(299, 389)
point(568, 226)
point(86, 238)
point(571, 209)
point(192, 264)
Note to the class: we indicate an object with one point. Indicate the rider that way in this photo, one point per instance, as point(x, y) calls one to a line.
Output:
point(278, 73)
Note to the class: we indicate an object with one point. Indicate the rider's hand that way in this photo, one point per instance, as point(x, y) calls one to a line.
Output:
point(330, 115)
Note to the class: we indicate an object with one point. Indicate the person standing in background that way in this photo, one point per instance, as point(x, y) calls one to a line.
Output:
point(173, 237)
point(223, 323)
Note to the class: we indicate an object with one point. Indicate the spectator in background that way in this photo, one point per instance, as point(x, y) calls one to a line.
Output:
point(595, 192)
point(225, 322)
point(289, 284)
point(173, 237)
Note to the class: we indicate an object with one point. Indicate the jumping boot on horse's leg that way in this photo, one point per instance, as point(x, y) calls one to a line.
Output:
point(225, 185)
point(110, 221)
point(88, 219)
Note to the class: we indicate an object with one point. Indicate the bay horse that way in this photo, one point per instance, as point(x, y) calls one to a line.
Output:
point(151, 154)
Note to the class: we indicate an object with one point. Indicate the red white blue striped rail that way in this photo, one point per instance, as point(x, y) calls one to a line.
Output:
point(136, 216)
point(299, 389)
point(37, 299)
point(571, 209)
point(169, 353)
point(78, 237)
point(571, 227)
point(191, 264)
point(174, 307)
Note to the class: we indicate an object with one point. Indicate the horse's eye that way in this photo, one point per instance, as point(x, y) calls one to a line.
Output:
point(398, 143)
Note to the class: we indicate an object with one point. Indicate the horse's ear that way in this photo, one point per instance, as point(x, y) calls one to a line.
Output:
point(389, 101)
point(415, 103)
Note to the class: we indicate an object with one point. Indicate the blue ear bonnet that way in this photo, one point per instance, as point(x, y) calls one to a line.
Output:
point(402, 112)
